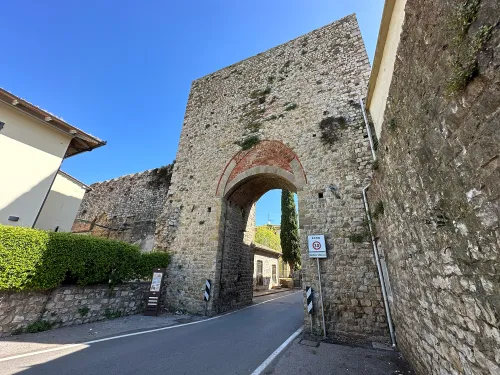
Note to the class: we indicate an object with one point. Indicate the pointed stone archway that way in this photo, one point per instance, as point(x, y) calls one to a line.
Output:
point(249, 175)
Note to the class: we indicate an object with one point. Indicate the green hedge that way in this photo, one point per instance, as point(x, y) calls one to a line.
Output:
point(32, 259)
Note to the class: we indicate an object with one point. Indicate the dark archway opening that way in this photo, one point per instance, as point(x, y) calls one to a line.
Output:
point(236, 263)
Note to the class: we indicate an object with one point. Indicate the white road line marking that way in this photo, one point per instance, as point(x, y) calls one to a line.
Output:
point(137, 333)
point(269, 359)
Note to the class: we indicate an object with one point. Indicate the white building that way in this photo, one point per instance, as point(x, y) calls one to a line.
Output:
point(266, 267)
point(61, 206)
point(33, 144)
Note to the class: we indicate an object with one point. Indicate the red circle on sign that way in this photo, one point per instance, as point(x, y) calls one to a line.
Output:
point(316, 245)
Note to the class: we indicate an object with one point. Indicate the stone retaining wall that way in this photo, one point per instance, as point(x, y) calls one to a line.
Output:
point(66, 306)
point(438, 182)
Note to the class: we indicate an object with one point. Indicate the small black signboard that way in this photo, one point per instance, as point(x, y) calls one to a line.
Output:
point(153, 295)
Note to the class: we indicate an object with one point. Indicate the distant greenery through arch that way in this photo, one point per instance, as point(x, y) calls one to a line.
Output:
point(266, 235)
point(289, 233)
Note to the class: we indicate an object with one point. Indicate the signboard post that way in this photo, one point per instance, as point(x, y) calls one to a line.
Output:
point(153, 295)
point(317, 249)
point(316, 244)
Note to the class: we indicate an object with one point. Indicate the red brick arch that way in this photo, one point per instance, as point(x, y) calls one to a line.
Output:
point(267, 158)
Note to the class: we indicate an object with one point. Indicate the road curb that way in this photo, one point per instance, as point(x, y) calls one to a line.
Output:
point(277, 352)
point(276, 291)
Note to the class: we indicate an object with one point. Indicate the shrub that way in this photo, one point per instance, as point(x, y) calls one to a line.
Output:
point(92, 260)
point(36, 326)
point(358, 237)
point(32, 259)
point(83, 311)
point(249, 142)
point(112, 314)
point(149, 261)
point(22, 251)
point(39, 326)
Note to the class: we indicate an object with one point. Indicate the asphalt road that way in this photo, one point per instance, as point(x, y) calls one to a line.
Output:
point(233, 344)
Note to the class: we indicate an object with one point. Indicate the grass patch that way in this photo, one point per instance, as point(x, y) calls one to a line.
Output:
point(249, 142)
point(359, 237)
point(39, 326)
point(465, 15)
point(112, 314)
point(83, 311)
point(465, 49)
point(465, 64)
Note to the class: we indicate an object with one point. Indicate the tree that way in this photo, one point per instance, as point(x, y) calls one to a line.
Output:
point(266, 235)
point(289, 235)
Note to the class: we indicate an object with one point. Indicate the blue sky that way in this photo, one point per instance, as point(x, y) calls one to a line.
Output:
point(121, 70)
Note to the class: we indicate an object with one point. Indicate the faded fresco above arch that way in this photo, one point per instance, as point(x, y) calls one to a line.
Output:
point(271, 162)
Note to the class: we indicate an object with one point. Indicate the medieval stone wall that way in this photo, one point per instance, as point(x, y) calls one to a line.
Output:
point(439, 185)
point(125, 208)
point(69, 305)
point(304, 95)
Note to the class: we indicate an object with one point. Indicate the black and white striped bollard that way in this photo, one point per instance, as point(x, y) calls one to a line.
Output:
point(309, 299)
point(206, 294)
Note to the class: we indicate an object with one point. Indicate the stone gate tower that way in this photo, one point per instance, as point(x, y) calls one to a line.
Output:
point(288, 118)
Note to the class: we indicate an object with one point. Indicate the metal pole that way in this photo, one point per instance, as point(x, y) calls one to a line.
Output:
point(321, 298)
point(379, 268)
point(368, 130)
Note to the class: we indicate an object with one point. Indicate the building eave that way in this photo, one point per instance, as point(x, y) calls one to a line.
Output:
point(80, 140)
point(259, 247)
point(379, 49)
point(76, 181)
